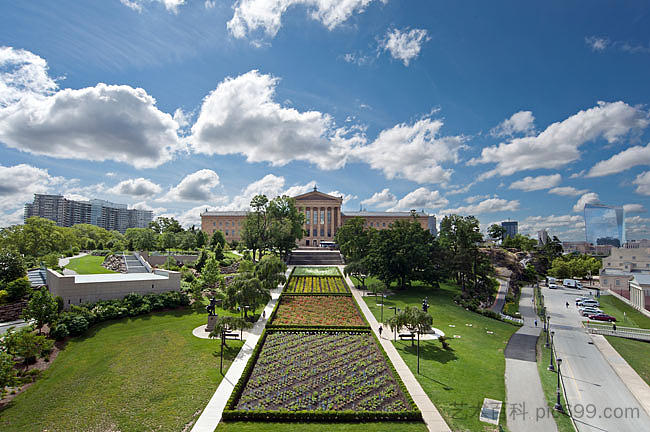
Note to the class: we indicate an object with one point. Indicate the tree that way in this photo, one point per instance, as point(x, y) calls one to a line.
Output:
point(200, 239)
point(354, 238)
point(496, 231)
point(246, 290)
point(211, 274)
point(17, 288)
point(140, 239)
point(42, 308)
point(285, 224)
point(187, 240)
point(200, 262)
point(218, 238)
point(12, 266)
point(164, 224)
point(167, 240)
point(460, 236)
point(270, 271)
point(360, 270)
point(520, 242)
point(413, 318)
point(27, 345)
point(255, 230)
point(224, 324)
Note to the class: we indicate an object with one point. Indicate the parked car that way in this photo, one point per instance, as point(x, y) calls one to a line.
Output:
point(553, 286)
point(589, 311)
point(592, 303)
point(602, 317)
point(579, 299)
point(572, 283)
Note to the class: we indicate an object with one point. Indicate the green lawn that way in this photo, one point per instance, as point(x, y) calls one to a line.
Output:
point(141, 374)
point(636, 354)
point(316, 271)
point(615, 307)
point(549, 385)
point(456, 380)
point(88, 265)
point(319, 427)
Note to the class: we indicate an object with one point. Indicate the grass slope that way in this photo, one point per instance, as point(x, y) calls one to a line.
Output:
point(141, 374)
point(615, 307)
point(456, 380)
point(636, 354)
point(88, 265)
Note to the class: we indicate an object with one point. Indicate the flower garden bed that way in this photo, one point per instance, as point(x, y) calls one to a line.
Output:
point(316, 285)
point(320, 374)
point(317, 311)
point(316, 271)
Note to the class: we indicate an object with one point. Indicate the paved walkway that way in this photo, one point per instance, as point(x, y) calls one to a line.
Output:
point(501, 296)
point(526, 407)
point(630, 378)
point(211, 415)
point(432, 418)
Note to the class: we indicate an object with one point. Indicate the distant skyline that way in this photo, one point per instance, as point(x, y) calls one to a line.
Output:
point(504, 111)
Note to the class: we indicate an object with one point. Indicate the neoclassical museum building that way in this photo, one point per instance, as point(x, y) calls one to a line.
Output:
point(323, 217)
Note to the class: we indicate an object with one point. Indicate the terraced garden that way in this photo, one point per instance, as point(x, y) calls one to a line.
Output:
point(316, 285)
point(316, 271)
point(317, 310)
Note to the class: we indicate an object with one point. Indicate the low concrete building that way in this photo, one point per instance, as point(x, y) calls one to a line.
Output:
point(79, 289)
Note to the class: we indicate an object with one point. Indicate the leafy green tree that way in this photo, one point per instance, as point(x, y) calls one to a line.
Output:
point(246, 290)
point(270, 270)
point(255, 230)
point(520, 242)
point(7, 371)
point(360, 270)
point(496, 231)
point(12, 266)
point(42, 308)
point(27, 345)
point(354, 238)
point(211, 274)
point(285, 224)
point(200, 262)
point(200, 239)
point(167, 240)
point(413, 318)
point(218, 251)
point(460, 236)
point(218, 238)
point(187, 239)
point(140, 239)
point(223, 325)
point(164, 224)
point(17, 288)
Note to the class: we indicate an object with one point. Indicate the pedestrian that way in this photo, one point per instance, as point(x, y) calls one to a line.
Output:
point(380, 330)
point(263, 314)
point(614, 326)
point(567, 305)
point(535, 323)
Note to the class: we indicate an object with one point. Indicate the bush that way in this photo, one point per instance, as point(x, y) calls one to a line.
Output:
point(27, 345)
point(59, 304)
point(77, 325)
point(187, 275)
point(4, 296)
point(445, 344)
point(59, 331)
point(17, 288)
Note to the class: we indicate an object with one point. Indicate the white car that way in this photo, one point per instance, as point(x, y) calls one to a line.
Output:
point(588, 303)
point(589, 310)
point(553, 286)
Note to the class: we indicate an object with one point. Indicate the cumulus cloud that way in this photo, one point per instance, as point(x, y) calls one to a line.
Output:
point(559, 144)
point(637, 227)
point(413, 151)
point(420, 198)
point(555, 223)
point(567, 191)
point(19, 183)
point(633, 156)
point(522, 122)
point(104, 122)
point(490, 205)
point(266, 15)
point(197, 186)
point(634, 208)
point(269, 185)
point(241, 117)
point(380, 199)
point(404, 45)
point(588, 198)
point(642, 182)
point(529, 184)
point(346, 197)
point(138, 5)
point(139, 187)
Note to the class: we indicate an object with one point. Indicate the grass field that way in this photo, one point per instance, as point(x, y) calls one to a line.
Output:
point(316, 271)
point(549, 386)
point(456, 380)
point(140, 374)
point(320, 427)
point(636, 354)
point(88, 265)
point(615, 307)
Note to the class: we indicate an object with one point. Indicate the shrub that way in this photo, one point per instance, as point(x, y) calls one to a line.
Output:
point(59, 331)
point(27, 345)
point(443, 341)
point(59, 304)
point(187, 274)
point(77, 325)
point(4, 296)
point(18, 288)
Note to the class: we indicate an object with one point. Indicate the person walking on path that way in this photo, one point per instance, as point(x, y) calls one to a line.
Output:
point(380, 330)
point(535, 323)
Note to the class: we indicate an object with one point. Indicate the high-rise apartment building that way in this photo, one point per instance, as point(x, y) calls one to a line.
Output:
point(604, 225)
point(104, 214)
point(512, 228)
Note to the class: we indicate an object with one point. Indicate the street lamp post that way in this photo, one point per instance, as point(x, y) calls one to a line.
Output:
point(548, 328)
point(550, 366)
point(394, 308)
point(558, 404)
point(418, 351)
point(382, 306)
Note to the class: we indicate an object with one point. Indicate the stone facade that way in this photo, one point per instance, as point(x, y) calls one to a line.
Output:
point(323, 217)
point(632, 259)
point(12, 311)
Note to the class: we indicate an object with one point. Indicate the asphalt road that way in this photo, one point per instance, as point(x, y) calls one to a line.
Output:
point(599, 400)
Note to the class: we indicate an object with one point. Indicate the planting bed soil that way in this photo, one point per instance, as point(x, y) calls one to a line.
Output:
point(318, 310)
point(316, 285)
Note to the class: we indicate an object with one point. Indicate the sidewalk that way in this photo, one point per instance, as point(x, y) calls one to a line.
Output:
point(524, 392)
point(430, 414)
point(211, 415)
point(500, 299)
point(630, 378)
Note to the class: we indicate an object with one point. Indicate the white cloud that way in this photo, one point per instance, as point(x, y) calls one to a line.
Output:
point(139, 187)
point(210, 4)
point(578, 174)
point(597, 43)
point(404, 45)
point(413, 151)
point(19, 183)
point(182, 118)
point(346, 197)
point(642, 182)
point(22, 74)
point(567, 191)
point(197, 186)
point(266, 15)
point(13, 218)
point(490, 205)
point(241, 117)
point(520, 122)
point(558, 145)
point(588, 198)
point(628, 158)
point(420, 198)
point(634, 208)
point(556, 224)
point(381, 199)
point(359, 59)
point(637, 227)
point(137, 5)
point(269, 185)
point(474, 198)
point(529, 184)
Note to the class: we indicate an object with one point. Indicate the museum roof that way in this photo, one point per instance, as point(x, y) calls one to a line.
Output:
point(225, 213)
point(117, 277)
point(380, 214)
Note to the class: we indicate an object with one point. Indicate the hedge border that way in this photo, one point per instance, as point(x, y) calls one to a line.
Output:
point(318, 329)
point(246, 374)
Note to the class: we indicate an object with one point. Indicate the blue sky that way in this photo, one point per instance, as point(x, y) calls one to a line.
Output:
point(496, 109)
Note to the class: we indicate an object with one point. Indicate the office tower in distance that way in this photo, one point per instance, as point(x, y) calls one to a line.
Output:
point(604, 225)
point(512, 228)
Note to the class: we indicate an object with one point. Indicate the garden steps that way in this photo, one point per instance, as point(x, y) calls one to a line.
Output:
point(315, 257)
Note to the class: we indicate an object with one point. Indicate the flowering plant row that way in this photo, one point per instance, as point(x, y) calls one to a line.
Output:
point(318, 311)
point(315, 284)
point(316, 371)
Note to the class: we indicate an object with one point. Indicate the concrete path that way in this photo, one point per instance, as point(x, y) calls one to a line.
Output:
point(211, 415)
point(65, 261)
point(599, 399)
point(432, 418)
point(632, 380)
point(4, 326)
point(501, 296)
point(526, 408)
